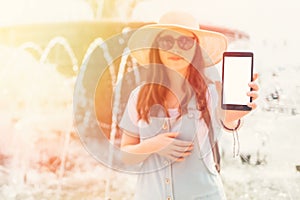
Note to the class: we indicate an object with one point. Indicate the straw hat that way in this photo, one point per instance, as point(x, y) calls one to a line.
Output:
point(212, 44)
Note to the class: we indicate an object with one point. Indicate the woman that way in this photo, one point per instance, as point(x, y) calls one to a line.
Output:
point(171, 123)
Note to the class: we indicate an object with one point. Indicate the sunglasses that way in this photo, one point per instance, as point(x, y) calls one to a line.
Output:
point(167, 42)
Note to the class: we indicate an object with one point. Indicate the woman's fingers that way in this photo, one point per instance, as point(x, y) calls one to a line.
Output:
point(252, 105)
point(255, 76)
point(254, 86)
point(182, 143)
point(172, 134)
point(174, 149)
point(180, 154)
point(183, 149)
point(253, 94)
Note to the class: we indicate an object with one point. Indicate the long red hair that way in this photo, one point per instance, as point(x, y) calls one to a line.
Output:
point(153, 93)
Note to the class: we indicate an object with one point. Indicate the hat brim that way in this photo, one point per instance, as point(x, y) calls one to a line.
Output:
point(212, 44)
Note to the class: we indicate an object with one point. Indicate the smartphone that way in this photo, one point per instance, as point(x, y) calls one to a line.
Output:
point(237, 72)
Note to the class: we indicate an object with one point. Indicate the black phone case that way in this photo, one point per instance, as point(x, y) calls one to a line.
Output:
point(236, 54)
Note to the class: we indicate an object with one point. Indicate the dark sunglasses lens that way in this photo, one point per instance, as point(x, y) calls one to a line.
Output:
point(185, 42)
point(166, 42)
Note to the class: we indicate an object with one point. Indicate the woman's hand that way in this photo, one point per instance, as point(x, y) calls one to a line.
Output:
point(233, 115)
point(168, 146)
point(164, 144)
point(254, 92)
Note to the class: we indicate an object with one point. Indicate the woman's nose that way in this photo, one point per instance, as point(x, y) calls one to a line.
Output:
point(176, 50)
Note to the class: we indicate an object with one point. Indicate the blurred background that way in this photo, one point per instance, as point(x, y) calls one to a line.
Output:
point(43, 46)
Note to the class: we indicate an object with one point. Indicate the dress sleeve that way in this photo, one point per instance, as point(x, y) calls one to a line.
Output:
point(129, 120)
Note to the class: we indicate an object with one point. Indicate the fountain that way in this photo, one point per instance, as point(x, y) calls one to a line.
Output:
point(33, 111)
point(61, 41)
point(22, 160)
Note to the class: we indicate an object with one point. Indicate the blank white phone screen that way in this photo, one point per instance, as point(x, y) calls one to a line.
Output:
point(237, 75)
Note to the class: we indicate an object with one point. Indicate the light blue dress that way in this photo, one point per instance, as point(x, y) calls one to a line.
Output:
point(193, 179)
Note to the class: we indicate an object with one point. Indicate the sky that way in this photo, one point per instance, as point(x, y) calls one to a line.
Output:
point(266, 18)
point(271, 24)
point(34, 11)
